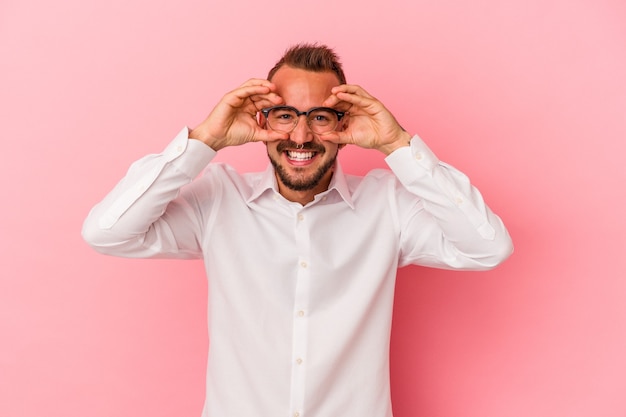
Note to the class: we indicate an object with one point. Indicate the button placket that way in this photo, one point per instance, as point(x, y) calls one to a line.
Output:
point(301, 313)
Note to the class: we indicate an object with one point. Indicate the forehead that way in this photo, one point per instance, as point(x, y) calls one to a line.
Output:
point(300, 87)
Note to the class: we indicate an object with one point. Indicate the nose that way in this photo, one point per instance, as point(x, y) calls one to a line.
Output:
point(301, 133)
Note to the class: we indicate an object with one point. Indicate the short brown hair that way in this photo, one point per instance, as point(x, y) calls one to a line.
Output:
point(311, 57)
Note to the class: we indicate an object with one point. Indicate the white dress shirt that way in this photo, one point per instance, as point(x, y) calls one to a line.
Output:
point(300, 297)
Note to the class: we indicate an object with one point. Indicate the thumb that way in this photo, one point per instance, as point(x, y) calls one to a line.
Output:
point(340, 138)
point(270, 136)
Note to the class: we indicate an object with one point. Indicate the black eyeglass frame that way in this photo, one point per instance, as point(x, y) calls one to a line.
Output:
point(266, 111)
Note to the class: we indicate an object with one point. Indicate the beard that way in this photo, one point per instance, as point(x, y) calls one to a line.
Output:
point(300, 182)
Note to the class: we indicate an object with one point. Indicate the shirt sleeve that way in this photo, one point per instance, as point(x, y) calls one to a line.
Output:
point(132, 221)
point(444, 220)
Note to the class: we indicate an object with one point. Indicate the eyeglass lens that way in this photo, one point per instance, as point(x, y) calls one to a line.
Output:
point(285, 120)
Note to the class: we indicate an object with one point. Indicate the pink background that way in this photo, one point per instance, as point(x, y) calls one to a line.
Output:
point(528, 97)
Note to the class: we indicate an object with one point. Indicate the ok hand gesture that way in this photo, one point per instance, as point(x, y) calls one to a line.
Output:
point(233, 121)
point(368, 125)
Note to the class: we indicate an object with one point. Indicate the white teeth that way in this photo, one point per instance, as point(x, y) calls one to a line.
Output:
point(300, 156)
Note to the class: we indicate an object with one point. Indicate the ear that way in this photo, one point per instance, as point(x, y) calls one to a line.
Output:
point(262, 121)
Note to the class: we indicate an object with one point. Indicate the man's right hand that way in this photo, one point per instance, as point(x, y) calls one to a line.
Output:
point(233, 121)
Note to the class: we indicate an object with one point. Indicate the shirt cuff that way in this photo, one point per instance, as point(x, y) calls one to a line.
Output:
point(404, 161)
point(190, 156)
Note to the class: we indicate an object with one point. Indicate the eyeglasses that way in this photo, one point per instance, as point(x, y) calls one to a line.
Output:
point(285, 118)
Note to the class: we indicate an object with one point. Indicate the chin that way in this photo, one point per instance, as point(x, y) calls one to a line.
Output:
point(290, 178)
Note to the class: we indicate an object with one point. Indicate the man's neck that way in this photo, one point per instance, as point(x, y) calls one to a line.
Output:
point(305, 196)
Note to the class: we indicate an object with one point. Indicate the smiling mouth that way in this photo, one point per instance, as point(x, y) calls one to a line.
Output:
point(300, 155)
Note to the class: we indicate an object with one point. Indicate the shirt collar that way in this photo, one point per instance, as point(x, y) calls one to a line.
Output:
point(267, 181)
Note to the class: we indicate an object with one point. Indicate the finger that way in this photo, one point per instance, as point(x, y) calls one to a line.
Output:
point(273, 97)
point(340, 138)
point(236, 97)
point(266, 100)
point(368, 103)
point(254, 86)
point(259, 82)
point(334, 102)
point(351, 89)
point(250, 90)
point(263, 135)
point(354, 95)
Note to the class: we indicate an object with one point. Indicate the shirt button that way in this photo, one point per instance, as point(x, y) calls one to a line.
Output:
point(296, 414)
point(300, 217)
point(418, 156)
point(179, 148)
point(301, 313)
point(459, 200)
point(303, 264)
point(299, 361)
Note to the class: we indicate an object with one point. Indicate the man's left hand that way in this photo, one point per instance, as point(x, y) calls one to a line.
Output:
point(368, 123)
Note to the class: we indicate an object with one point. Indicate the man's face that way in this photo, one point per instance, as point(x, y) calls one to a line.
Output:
point(311, 167)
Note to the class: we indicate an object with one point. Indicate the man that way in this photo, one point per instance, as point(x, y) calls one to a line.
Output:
point(302, 258)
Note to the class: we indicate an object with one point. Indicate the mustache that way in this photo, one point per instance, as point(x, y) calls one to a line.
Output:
point(308, 146)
